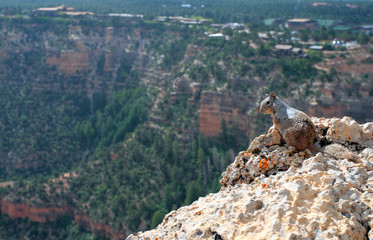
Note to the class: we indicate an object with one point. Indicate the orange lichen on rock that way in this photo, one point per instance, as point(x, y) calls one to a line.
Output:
point(264, 164)
point(264, 185)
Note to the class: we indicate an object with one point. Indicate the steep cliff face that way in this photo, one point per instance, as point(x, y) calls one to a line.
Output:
point(98, 228)
point(338, 99)
point(74, 61)
point(68, 46)
point(61, 71)
point(216, 107)
point(51, 214)
point(41, 215)
point(274, 192)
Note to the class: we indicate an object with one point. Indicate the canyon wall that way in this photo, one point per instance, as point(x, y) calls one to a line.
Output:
point(98, 228)
point(74, 61)
point(69, 62)
point(43, 214)
point(217, 106)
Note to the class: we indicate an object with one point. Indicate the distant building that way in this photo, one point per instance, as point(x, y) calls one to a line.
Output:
point(341, 28)
point(53, 11)
point(316, 47)
point(367, 28)
point(301, 23)
point(78, 13)
point(182, 20)
point(351, 6)
point(263, 35)
point(215, 35)
point(161, 18)
point(287, 50)
point(321, 4)
point(351, 44)
point(186, 5)
point(297, 52)
point(216, 25)
point(283, 49)
point(189, 21)
point(125, 15)
point(232, 25)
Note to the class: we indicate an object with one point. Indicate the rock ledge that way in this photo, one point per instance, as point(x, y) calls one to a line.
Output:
point(274, 192)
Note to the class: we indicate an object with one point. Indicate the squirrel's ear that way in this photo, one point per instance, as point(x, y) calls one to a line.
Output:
point(273, 95)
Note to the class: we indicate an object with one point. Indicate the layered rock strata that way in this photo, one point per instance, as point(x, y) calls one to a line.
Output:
point(51, 214)
point(41, 215)
point(216, 107)
point(273, 192)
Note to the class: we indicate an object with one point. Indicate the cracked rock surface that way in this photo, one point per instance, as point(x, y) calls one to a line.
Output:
point(275, 192)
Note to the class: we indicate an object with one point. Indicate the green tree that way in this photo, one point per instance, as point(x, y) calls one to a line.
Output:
point(100, 65)
point(363, 38)
point(175, 152)
point(228, 31)
point(167, 148)
point(194, 191)
point(201, 158)
point(167, 198)
point(158, 217)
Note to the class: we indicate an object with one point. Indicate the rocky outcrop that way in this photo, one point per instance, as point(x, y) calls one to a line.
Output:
point(51, 214)
point(274, 192)
point(326, 109)
point(217, 106)
point(338, 99)
point(98, 228)
point(74, 61)
point(69, 62)
point(36, 214)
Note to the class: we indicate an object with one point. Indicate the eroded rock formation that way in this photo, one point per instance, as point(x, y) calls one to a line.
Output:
point(273, 192)
point(216, 106)
point(51, 214)
point(98, 228)
point(41, 215)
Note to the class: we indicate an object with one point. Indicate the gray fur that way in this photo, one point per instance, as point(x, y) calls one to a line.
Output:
point(295, 127)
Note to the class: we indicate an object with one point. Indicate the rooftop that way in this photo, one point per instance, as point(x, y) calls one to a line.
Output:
point(341, 28)
point(283, 47)
point(78, 13)
point(58, 8)
point(300, 20)
point(215, 35)
point(127, 15)
point(316, 47)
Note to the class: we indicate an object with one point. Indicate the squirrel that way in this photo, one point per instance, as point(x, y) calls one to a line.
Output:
point(295, 127)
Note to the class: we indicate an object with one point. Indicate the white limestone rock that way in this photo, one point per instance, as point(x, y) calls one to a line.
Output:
point(309, 197)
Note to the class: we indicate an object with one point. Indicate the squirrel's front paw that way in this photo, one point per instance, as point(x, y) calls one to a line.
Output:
point(271, 129)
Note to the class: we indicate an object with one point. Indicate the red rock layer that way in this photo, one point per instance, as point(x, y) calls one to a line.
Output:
point(41, 215)
point(98, 228)
point(215, 107)
point(19, 210)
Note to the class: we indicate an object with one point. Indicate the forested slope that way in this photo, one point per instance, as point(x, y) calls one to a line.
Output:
point(110, 120)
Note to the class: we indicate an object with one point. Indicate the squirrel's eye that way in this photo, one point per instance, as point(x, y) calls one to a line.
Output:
point(268, 102)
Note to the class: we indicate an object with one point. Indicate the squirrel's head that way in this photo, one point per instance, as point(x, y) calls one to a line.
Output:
point(266, 106)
